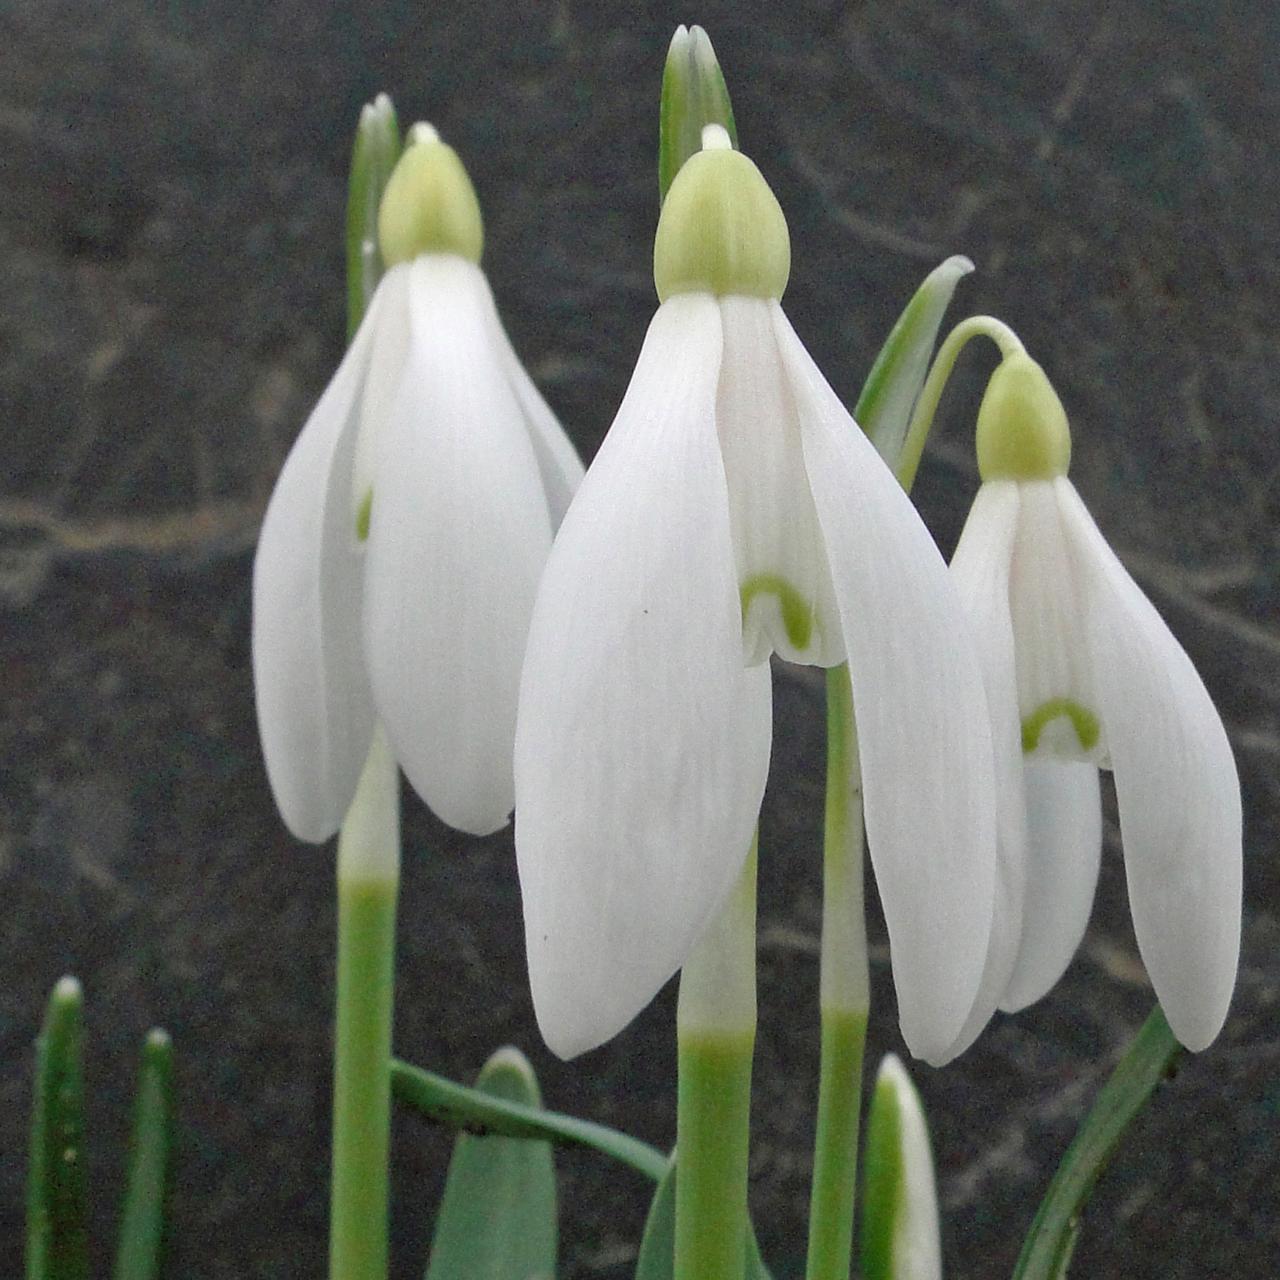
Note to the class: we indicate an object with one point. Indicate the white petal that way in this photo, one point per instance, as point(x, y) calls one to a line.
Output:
point(315, 712)
point(980, 570)
point(1177, 788)
point(643, 740)
point(776, 541)
point(1054, 670)
point(1064, 844)
point(558, 460)
point(458, 536)
point(921, 713)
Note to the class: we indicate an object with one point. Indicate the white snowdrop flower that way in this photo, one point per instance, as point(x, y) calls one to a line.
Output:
point(736, 510)
point(1086, 675)
point(402, 545)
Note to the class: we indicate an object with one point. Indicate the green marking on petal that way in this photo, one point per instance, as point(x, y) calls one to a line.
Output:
point(797, 613)
point(1083, 721)
point(363, 514)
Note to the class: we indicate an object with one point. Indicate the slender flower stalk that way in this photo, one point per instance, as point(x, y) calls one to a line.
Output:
point(716, 1028)
point(368, 862)
point(844, 996)
point(368, 886)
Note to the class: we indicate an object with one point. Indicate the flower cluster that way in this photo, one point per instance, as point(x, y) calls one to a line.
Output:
point(735, 511)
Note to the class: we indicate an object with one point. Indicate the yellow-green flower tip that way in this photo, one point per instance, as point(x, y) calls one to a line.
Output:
point(722, 230)
point(429, 205)
point(1022, 427)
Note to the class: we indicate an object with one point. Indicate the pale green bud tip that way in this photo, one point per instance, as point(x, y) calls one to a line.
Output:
point(1022, 427)
point(67, 989)
point(429, 205)
point(722, 230)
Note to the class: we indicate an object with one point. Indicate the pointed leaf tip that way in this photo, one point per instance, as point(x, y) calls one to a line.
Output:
point(498, 1215)
point(694, 94)
point(892, 386)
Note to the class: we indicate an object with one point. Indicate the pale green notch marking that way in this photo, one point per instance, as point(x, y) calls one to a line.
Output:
point(1083, 721)
point(364, 513)
point(797, 615)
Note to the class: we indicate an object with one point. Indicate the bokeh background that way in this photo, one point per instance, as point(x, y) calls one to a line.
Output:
point(172, 305)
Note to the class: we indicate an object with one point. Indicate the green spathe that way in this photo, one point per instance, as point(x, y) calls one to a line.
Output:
point(429, 205)
point(722, 230)
point(1022, 429)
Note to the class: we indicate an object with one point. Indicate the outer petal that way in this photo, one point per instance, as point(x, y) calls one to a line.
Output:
point(458, 536)
point(980, 570)
point(1177, 787)
point(923, 730)
point(315, 712)
point(558, 460)
point(643, 740)
point(1064, 844)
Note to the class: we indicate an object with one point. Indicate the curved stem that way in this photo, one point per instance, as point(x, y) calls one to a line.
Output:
point(845, 996)
point(368, 884)
point(716, 1028)
point(927, 402)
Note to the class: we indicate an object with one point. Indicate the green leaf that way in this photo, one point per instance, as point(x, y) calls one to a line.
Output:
point(883, 1185)
point(694, 94)
point(57, 1229)
point(1151, 1058)
point(657, 1246)
point(455, 1105)
point(143, 1221)
point(884, 407)
point(377, 148)
point(497, 1220)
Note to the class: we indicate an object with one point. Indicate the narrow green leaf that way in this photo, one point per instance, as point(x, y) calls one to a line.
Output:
point(377, 148)
point(57, 1206)
point(694, 94)
point(497, 1219)
point(656, 1259)
point(1150, 1058)
point(884, 407)
point(143, 1220)
point(455, 1105)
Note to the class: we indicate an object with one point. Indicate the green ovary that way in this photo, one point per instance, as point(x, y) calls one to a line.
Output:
point(797, 614)
point(1083, 721)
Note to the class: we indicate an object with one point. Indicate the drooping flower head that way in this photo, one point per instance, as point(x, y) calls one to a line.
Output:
point(735, 510)
point(403, 542)
point(1086, 675)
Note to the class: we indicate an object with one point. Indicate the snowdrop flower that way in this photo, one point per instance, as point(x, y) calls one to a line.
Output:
point(736, 510)
point(402, 546)
point(1086, 675)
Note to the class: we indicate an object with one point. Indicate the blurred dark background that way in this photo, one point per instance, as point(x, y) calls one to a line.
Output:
point(170, 232)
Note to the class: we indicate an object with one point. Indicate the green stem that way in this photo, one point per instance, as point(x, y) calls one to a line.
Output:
point(716, 1026)
point(931, 392)
point(1151, 1058)
point(845, 996)
point(368, 881)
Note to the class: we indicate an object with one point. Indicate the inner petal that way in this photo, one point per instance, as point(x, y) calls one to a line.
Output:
point(1057, 701)
point(788, 605)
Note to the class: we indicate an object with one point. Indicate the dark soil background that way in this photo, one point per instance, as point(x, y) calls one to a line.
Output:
point(170, 233)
